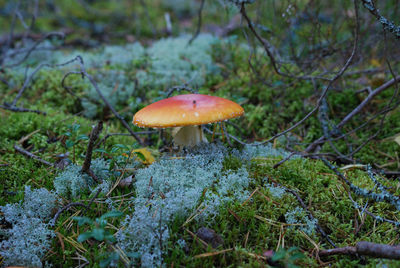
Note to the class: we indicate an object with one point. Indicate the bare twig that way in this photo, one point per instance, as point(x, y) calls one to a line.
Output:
point(33, 156)
point(387, 24)
point(103, 140)
point(88, 159)
point(28, 78)
point(104, 99)
point(355, 111)
point(92, 200)
point(21, 109)
point(310, 216)
point(277, 70)
point(61, 210)
point(367, 249)
point(179, 89)
point(33, 47)
point(198, 23)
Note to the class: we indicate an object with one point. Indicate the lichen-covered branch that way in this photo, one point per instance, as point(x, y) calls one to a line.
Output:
point(387, 24)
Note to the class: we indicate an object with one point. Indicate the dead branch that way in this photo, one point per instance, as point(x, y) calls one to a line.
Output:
point(32, 48)
point(88, 159)
point(309, 214)
point(355, 111)
point(84, 74)
point(21, 109)
point(103, 140)
point(33, 156)
point(61, 210)
point(28, 79)
point(387, 24)
point(277, 70)
point(366, 248)
point(198, 22)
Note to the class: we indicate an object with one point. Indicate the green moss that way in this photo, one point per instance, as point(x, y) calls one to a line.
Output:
point(272, 103)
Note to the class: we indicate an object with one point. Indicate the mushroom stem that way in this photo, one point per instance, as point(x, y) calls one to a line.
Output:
point(188, 136)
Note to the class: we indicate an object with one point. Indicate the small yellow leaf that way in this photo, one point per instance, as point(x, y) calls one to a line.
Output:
point(397, 139)
point(374, 62)
point(149, 158)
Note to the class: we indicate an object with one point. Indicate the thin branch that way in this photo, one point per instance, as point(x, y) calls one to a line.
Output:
point(104, 99)
point(103, 140)
point(355, 111)
point(61, 210)
point(28, 78)
point(387, 24)
point(61, 35)
point(198, 23)
point(88, 159)
point(331, 81)
point(310, 216)
point(367, 249)
point(33, 156)
point(179, 89)
point(21, 109)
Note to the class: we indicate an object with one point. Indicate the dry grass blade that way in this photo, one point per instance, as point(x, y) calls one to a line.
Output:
point(60, 238)
point(209, 254)
point(250, 196)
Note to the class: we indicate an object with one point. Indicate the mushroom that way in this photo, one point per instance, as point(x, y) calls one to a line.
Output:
point(186, 113)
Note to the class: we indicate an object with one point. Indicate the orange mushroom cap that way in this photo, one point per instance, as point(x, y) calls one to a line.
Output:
point(187, 110)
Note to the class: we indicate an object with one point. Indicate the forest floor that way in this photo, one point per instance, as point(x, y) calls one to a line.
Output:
point(125, 196)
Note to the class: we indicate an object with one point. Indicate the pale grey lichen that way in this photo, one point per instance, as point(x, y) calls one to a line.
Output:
point(173, 61)
point(266, 150)
point(72, 182)
point(275, 191)
point(28, 241)
point(299, 218)
point(29, 238)
point(174, 188)
point(114, 56)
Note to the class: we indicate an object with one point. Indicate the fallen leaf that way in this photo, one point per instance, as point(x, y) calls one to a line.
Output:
point(210, 236)
point(397, 139)
point(126, 182)
point(143, 155)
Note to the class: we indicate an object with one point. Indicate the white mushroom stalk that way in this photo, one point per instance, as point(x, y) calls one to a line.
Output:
point(188, 136)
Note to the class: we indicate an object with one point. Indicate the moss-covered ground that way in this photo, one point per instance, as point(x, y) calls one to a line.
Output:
point(272, 103)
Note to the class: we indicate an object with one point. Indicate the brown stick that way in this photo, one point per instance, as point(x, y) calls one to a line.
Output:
point(21, 109)
point(88, 159)
point(31, 155)
point(61, 210)
point(367, 249)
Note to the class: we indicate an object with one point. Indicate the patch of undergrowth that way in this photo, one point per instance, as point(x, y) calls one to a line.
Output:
point(272, 216)
point(236, 193)
point(272, 106)
point(131, 76)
